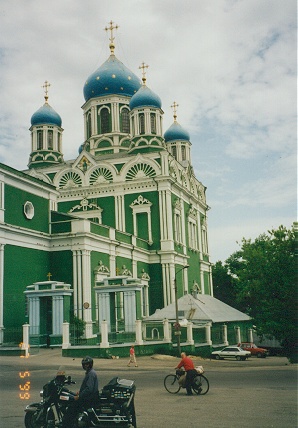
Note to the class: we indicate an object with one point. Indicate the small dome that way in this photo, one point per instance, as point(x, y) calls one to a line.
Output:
point(46, 115)
point(176, 132)
point(111, 78)
point(145, 98)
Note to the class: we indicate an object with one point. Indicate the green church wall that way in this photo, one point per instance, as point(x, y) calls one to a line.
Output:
point(22, 267)
point(122, 261)
point(61, 266)
point(156, 300)
point(108, 213)
point(14, 209)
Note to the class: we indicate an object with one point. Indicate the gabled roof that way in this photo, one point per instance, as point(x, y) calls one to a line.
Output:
point(200, 308)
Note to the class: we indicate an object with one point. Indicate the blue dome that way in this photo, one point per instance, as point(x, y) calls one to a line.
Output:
point(176, 132)
point(111, 78)
point(145, 98)
point(46, 115)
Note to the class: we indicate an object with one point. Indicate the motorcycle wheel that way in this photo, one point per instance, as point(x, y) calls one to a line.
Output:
point(31, 422)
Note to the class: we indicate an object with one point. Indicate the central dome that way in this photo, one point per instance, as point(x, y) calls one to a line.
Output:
point(111, 78)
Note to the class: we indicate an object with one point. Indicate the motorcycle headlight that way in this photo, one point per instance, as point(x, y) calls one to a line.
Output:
point(41, 393)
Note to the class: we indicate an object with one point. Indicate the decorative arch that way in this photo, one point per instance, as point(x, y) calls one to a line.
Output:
point(100, 175)
point(69, 179)
point(140, 170)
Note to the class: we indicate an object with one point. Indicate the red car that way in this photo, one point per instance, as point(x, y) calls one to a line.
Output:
point(254, 349)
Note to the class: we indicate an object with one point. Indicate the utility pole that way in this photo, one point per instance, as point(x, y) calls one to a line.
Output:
point(177, 325)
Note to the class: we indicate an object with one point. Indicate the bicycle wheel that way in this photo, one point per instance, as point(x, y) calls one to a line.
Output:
point(171, 384)
point(200, 385)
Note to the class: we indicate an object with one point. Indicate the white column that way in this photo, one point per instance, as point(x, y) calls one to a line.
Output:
point(139, 336)
point(189, 333)
point(65, 335)
point(225, 334)
point(104, 308)
point(25, 343)
point(34, 315)
point(1, 291)
point(57, 317)
point(104, 335)
point(79, 278)
point(75, 282)
point(250, 335)
point(238, 334)
point(129, 309)
point(208, 334)
point(166, 331)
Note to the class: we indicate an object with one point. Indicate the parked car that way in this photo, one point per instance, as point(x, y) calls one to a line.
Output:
point(231, 352)
point(254, 349)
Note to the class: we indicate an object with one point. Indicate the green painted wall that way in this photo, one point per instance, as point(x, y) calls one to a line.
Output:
point(14, 209)
point(22, 267)
point(156, 300)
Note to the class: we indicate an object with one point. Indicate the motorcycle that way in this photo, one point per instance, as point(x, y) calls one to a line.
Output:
point(50, 410)
point(114, 406)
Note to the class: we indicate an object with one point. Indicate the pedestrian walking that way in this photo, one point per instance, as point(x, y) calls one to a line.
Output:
point(132, 356)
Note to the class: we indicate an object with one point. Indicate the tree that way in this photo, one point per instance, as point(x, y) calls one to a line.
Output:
point(265, 279)
point(224, 287)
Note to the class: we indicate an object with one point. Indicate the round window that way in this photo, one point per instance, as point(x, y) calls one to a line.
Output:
point(29, 210)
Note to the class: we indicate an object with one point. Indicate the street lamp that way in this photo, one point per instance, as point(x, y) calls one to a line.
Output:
point(177, 325)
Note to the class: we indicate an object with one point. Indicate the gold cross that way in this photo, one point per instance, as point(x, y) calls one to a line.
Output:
point(111, 28)
point(143, 67)
point(46, 87)
point(174, 107)
point(49, 276)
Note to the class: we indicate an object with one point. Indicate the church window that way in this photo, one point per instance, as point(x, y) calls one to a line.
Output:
point(88, 125)
point(153, 123)
point(174, 151)
point(204, 237)
point(192, 234)
point(59, 142)
point(178, 228)
point(104, 121)
point(125, 121)
point(142, 123)
point(39, 140)
point(50, 140)
point(183, 153)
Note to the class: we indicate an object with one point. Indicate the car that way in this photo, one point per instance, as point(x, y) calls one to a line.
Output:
point(254, 349)
point(231, 352)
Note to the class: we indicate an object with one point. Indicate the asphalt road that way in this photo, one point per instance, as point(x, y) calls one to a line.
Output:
point(256, 392)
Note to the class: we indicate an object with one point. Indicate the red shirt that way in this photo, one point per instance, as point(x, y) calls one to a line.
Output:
point(187, 363)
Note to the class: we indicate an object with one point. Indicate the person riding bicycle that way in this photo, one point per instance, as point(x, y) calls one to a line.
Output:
point(190, 370)
point(87, 395)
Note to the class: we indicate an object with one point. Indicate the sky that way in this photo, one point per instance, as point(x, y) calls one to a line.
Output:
point(229, 64)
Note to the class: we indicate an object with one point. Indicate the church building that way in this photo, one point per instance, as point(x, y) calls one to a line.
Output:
point(107, 235)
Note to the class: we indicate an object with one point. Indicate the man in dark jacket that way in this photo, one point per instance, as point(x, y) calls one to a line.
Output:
point(87, 395)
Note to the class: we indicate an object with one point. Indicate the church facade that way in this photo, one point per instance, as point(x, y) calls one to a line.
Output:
point(107, 235)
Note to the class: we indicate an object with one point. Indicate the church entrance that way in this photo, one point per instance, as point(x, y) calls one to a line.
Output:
point(49, 306)
point(46, 325)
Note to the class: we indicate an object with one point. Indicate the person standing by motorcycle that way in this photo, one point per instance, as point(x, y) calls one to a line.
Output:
point(87, 395)
point(190, 370)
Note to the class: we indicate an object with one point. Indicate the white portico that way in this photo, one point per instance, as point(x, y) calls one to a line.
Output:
point(48, 306)
point(120, 302)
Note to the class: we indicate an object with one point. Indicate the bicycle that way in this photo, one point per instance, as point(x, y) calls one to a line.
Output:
point(174, 382)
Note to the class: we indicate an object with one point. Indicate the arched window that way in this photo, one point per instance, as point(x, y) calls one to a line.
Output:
point(104, 121)
point(183, 153)
point(142, 124)
point(88, 126)
point(174, 151)
point(153, 123)
point(50, 140)
point(125, 121)
point(39, 140)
